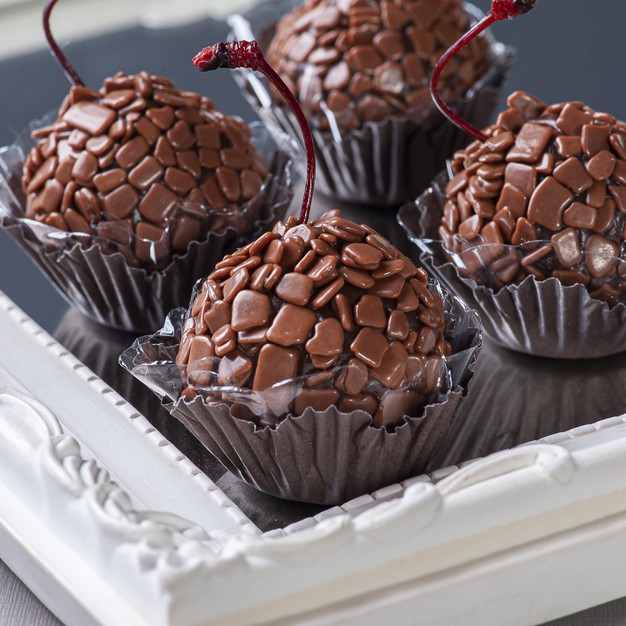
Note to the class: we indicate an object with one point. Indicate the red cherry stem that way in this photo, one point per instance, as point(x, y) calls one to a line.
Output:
point(240, 54)
point(478, 28)
point(500, 10)
point(66, 66)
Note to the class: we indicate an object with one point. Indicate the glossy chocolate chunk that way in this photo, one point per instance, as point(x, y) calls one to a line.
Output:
point(234, 369)
point(602, 254)
point(560, 200)
point(337, 323)
point(275, 365)
point(141, 151)
point(573, 175)
point(392, 367)
point(327, 339)
point(250, 309)
point(369, 311)
point(548, 202)
point(362, 256)
point(295, 288)
point(89, 117)
point(567, 249)
point(291, 325)
point(363, 62)
point(530, 143)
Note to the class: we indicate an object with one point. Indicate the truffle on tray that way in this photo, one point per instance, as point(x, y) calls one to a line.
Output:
point(134, 190)
point(361, 72)
point(143, 167)
point(349, 63)
point(528, 226)
point(331, 309)
point(544, 196)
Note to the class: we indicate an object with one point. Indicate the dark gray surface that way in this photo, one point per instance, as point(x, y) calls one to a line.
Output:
point(566, 51)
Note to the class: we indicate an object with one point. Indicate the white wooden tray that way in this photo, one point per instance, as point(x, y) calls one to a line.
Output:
point(109, 524)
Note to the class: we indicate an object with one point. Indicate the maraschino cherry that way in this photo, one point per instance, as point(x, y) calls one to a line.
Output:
point(500, 10)
point(247, 54)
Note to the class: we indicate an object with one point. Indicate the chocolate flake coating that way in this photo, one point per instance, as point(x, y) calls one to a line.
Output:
point(547, 193)
point(355, 61)
point(298, 333)
point(141, 156)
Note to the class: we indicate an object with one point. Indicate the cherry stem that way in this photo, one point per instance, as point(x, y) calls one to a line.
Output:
point(66, 66)
point(247, 54)
point(478, 28)
point(500, 10)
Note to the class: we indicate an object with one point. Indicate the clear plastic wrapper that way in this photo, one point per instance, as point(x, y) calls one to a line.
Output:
point(539, 315)
point(103, 279)
point(320, 456)
point(382, 163)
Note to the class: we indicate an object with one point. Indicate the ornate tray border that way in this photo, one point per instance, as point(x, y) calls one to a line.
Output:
point(522, 536)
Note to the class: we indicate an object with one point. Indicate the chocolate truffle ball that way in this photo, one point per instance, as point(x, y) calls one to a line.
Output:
point(314, 315)
point(358, 61)
point(143, 167)
point(547, 192)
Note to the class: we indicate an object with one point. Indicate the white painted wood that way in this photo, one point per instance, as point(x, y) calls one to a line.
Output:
point(111, 429)
point(519, 537)
point(523, 586)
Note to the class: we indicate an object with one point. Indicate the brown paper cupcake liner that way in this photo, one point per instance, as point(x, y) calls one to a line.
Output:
point(321, 457)
point(384, 163)
point(102, 285)
point(543, 318)
point(339, 456)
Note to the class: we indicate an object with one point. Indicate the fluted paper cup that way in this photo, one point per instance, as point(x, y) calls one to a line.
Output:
point(322, 457)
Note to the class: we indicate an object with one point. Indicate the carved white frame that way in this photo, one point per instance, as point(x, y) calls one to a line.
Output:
point(127, 530)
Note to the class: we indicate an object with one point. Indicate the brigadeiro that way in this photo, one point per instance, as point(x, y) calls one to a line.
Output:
point(134, 190)
point(329, 304)
point(361, 72)
point(317, 362)
point(529, 226)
